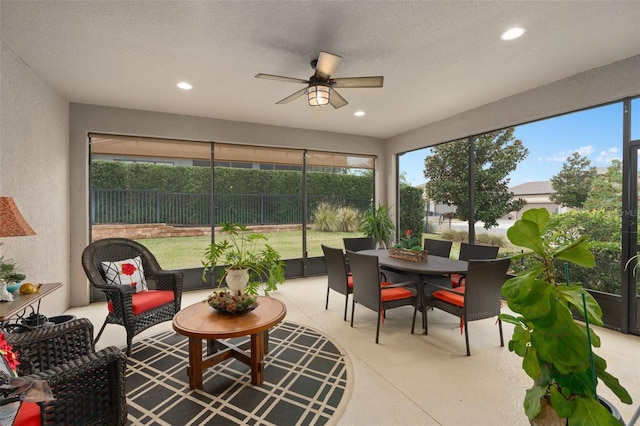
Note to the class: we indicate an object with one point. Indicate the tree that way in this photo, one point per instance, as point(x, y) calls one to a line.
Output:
point(606, 190)
point(496, 155)
point(573, 183)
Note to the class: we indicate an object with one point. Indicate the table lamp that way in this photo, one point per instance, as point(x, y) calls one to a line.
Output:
point(12, 224)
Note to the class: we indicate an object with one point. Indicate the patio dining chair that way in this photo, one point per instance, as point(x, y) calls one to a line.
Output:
point(338, 277)
point(478, 299)
point(359, 243)
point(370, 292)
point(473, 252)
point(134, 308)
point(440, 248)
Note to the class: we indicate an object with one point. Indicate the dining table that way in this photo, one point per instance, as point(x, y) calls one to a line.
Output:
point(434, 269)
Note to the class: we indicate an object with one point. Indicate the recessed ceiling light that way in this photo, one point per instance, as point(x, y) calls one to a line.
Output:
point(358, 113)
point(512, 33)
point(185, 86)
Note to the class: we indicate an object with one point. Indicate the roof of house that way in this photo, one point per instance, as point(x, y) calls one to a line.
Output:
point(533, 188)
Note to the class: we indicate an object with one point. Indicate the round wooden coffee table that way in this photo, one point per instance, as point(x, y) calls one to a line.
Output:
point(201, 322)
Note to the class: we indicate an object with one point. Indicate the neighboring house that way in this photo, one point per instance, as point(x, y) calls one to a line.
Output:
point(536, 194)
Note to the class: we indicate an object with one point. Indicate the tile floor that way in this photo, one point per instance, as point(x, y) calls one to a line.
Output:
point(416, 379)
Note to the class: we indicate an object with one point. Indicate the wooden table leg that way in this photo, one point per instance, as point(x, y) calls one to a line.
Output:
point(257, 358)
point(194, 371)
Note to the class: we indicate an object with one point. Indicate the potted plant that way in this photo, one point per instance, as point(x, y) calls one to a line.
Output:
point(9, 273)
point(557, 349)
point(243, 256)
point(377, 224)
point(409, 247)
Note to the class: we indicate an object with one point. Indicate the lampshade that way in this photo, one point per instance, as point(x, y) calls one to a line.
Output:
point(12, 224)
point(318, 94)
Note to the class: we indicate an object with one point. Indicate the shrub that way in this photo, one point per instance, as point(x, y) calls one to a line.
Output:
point(411, 211)
point(325, 218)
point(348, 218)
point(605, 276)
point(600, 225)
point(453, 235)
point(491, 239)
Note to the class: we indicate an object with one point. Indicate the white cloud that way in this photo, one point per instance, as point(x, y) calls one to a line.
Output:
point(605, 157)
point(562, 156)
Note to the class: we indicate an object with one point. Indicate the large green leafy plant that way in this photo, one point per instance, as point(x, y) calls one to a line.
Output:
point(377, 224)
point(244, 249)
point(557, 349)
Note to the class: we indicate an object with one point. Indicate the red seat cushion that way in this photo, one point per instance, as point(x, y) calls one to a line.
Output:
point(385, 284)
point(350, 281)
point(146, 300)
point(395, 293)
point(28, 415)
point(457, 280)
point(449, 297)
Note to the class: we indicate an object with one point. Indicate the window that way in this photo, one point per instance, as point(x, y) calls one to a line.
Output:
point(169, 194)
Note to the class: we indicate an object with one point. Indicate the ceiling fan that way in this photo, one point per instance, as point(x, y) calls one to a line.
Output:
point(321, 87)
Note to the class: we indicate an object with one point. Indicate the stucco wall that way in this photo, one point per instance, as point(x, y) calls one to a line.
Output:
point(34, 170)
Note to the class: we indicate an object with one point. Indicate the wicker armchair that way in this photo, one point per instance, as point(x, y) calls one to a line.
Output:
point(480, 298)
point(370, 292)
point(134, 311)
point(88, 386)
point(338, 277)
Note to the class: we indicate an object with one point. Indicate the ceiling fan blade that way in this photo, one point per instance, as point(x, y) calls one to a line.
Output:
point(336, 100)
point(292, 97)
point(281, 78)
point(355, 82)
point(327, 63)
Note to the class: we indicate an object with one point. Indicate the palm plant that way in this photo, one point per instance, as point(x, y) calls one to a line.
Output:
point(377, 224)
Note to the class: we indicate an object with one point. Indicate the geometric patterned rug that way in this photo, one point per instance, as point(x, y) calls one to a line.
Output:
point(307, 381)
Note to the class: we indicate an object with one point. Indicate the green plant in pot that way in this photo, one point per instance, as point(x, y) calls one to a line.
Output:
point(557, 350)
point(245, 251)
point(9, 272)
point(377, 224)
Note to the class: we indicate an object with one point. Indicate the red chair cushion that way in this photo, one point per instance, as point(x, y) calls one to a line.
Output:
point(28, 415)
point(385, 284)
point(146, 300)
point(395, 293)
point(449, 297)
point(350, 281)
point(457, 280)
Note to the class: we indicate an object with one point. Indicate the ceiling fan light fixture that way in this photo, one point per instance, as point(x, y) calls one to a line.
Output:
point(318, 94)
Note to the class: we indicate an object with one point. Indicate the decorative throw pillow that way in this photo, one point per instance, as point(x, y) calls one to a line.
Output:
point(8, 366)
point(126, 272)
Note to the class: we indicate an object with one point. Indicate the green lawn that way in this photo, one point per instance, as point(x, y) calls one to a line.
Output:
point(187, 252)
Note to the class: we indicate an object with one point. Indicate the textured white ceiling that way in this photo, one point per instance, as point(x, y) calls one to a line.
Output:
point(439, 58)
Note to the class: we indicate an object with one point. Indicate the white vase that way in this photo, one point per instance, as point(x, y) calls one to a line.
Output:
point(237, 279)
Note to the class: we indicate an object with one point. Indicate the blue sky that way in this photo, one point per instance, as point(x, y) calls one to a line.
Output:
point(595, 133)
